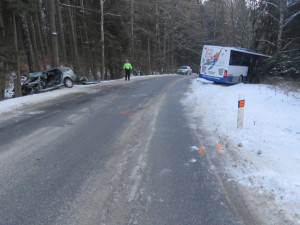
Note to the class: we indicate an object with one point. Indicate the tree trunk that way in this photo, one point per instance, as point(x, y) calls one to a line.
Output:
point(61, 33)
point(102, 39)
point(73, 38)
point(53, 34)
point(157, 31)
point(215, 22)
point(27, 42)
point(17, 81)
point(2, 80)
point(132, 31)
point(173, 53)
point(39, 32)
point(44, 37)
point(34, 42)
point(87, 43)
point(280, 30)
point(2, 74)
point(149, 56)
point(165, 50)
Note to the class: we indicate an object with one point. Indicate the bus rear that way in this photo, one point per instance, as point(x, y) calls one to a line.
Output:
point(214, 63)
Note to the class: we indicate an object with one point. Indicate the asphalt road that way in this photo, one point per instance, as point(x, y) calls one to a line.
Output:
point(122, 154)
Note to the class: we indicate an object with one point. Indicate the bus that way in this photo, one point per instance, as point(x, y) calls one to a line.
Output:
point(229, 64)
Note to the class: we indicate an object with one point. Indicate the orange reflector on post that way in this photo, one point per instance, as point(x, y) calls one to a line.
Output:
point(241, 104)
point(241, 107)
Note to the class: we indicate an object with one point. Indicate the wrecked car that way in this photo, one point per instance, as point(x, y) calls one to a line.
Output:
point(48, 80)
point(85, 81)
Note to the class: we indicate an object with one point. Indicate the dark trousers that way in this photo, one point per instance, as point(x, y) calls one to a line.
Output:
point(127, 74)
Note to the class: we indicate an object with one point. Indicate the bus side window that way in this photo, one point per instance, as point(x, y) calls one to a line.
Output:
point(236, 58)
point(246, 59)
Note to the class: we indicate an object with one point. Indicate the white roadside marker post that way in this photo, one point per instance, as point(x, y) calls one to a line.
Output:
point(241, 105)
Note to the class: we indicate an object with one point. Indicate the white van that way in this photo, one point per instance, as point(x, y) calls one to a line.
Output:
point(229, 64)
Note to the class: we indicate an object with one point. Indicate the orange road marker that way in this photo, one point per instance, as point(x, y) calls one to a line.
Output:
point(200, 150)
point(124, 112)
point(133, 116)
point(219, 147)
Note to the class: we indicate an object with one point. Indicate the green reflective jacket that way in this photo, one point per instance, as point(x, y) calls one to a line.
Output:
point(127, 66)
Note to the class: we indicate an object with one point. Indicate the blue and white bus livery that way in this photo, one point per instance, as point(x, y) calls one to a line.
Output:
point(229, 64)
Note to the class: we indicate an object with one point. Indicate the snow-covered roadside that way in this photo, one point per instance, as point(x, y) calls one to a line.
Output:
point(267, 149)
point(15, 103)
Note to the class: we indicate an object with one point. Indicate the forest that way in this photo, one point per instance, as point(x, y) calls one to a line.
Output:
point(95, 37)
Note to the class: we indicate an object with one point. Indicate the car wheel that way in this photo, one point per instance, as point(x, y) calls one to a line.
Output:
point(36, 90)
point(68, 82)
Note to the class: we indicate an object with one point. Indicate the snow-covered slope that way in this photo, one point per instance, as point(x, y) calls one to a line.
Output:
point(268, 146)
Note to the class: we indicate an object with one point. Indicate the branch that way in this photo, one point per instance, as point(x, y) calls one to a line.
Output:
point(289, 43)
point(272, 17)
point(92, 10)
point(290, 18)
point(270, 3)
point(291, 2)
point(112, 14)
point(267, 42)
point(78, 7)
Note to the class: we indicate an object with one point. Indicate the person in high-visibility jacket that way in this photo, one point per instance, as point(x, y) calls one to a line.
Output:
point(127, 67)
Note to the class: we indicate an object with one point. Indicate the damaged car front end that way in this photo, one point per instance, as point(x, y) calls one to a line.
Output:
point(48, 80)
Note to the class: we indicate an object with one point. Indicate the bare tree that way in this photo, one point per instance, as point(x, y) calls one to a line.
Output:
point(73, 36)
point(132, 29)
point(279, 12)
point(27, 42)
point(34, 42)
point(86, 41)
point(2, 41)
point(102, 39)
point(17, 81)
point(53, 34)
point(61, 35)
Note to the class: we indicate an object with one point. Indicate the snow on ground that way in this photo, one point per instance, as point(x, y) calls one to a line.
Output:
point(269, 140)
point(14, 103)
